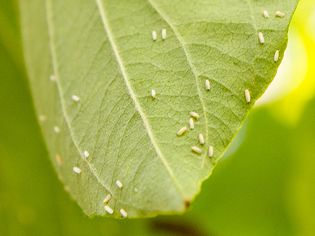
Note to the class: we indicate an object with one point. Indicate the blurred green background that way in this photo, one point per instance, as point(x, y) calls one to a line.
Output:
point(265, 184)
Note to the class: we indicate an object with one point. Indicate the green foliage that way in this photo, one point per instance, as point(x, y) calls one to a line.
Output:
point(265, 188)
point(303, 174)
point(234, 201)
point(102, 51)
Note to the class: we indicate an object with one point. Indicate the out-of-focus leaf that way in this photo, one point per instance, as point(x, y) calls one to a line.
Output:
point(303, 176)
point(9, 31)
point(248, 193)
point(266, 188)
point(102, 51)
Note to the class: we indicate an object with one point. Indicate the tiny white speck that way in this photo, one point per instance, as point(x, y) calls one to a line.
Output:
point(280, 14)
point(59, 160)
point(261, 37)
point(85, 154)
point(276, 56)
point(53, 78)
point(247, 96)
point(108, 209)
point(194, 115)
point(201, 139)
point(107, 198)
point(207, 84)
point(67, 189)
point(181, 131)
point(164, 34)
point(210, 151)
point(119, 184)
point(75, 98)
point(56, 129)
point(153, 93)
point(196, 149)
point(154, 35)
point(191, 123)
point(42, 118)
point(123, 213)
point(76, 170)
point(266, 14)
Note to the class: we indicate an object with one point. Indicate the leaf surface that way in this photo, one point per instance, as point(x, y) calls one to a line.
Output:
point(102, 52)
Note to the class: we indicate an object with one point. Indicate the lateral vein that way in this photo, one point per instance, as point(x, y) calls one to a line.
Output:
point(59, 88)
point(189, 60)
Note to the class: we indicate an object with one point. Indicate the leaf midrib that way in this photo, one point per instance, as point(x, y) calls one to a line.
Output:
point(254, 24)
point(133, 96)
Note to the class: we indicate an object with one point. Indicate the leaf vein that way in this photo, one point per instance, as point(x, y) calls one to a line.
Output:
point(62, 102)
point(189, 60)
point(132, 94)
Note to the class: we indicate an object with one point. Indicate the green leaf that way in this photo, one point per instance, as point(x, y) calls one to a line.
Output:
point(102, 52)
point(32, 200)
point(258, 205)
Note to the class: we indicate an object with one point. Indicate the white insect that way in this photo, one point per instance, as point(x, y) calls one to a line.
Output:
point(261, 37)
point(153, 93)
point(210, 151)
point(123, 213)
point(107, 198)
point(276, 56)
point(207, 84)
point(108, 209)
point(164, 34)
point(280, 14)
point(56, 129)
point(42, 118)
point(181, 131)
point(75, 98)
point(191, 123)
point(194, 115)
point(266, 14)
point(247, 96)
point(154, 35)
point(196, 149)
point(119, 184)
point(76, 170)
point(201, 139)
point(85, 154)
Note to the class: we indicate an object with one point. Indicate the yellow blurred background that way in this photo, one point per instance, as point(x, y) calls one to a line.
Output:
point(294, 85)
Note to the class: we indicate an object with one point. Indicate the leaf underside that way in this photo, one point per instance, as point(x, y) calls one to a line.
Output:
point(102, 51)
